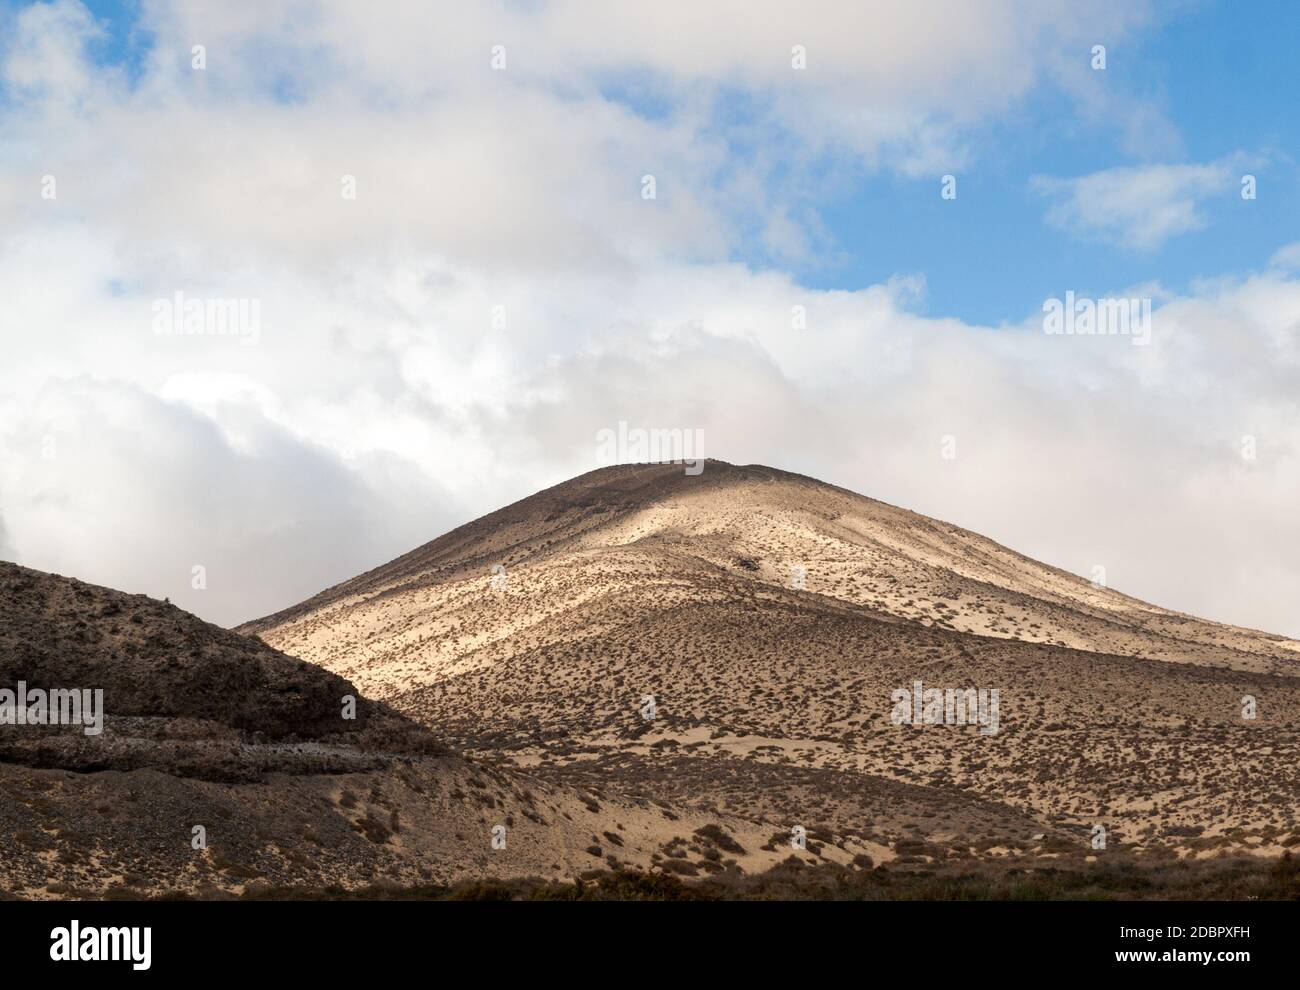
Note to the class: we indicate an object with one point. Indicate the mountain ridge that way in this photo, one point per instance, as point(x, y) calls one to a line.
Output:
point(658, 483)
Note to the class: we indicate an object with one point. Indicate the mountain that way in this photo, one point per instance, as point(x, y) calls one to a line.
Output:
point(201, 728)
point(774, 620)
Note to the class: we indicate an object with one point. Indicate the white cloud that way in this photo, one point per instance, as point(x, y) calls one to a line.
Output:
point(1138, 207)
point(44, 58)
point(1286, 258)
point(137, 491)
point(535, 166)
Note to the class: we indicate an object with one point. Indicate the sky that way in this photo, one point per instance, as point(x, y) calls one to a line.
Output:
point(447, 275)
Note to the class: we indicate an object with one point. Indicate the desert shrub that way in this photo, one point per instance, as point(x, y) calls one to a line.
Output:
point(715, 834)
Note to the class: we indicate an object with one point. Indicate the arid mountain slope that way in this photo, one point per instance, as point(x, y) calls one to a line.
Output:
point(155, 661)
point(206, 729)
point(178, 694)
point(772, 618)
point(762, 524)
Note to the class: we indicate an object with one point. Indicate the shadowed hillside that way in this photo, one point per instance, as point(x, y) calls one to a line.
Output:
point(210, 735)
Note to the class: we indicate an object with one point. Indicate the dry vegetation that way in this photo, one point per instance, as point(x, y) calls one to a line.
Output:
point(773, 701)
point(772, 715)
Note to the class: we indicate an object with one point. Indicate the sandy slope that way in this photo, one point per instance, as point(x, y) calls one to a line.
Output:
point(773, 700)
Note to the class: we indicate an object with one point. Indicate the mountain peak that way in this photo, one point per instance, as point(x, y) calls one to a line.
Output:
point(765, 528)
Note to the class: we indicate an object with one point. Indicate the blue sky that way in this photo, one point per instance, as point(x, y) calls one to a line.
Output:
point(125, 40)
point(1225, 76)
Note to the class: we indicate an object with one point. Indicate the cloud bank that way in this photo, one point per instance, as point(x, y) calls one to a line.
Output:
point(499, 290)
